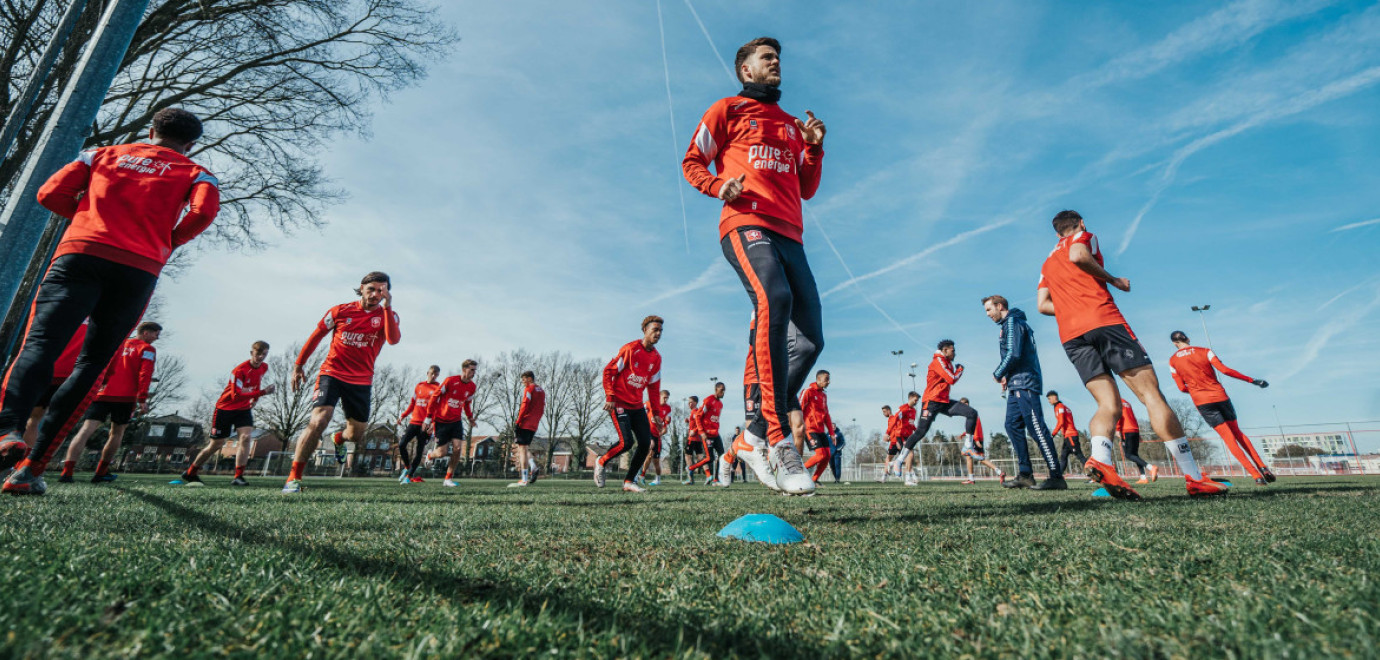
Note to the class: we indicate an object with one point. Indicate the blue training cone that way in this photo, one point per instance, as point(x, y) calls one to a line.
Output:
point(762, 528)
point(1101, 492)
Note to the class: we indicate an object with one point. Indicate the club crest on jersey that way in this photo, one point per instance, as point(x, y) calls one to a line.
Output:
point(376, 321)
point(752, 235)
point(790, 130)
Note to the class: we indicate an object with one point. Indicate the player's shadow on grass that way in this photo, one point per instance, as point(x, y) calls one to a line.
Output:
point(716, 636)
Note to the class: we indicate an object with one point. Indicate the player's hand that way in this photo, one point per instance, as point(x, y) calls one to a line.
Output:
point(608, 406)
point(732, 188)
point(428, 427)
point(1260, 383)
point(298, 377)
point(812, 131)
point(387, 298)
point(143, 407)
point(270, 389)
point(1121, 283)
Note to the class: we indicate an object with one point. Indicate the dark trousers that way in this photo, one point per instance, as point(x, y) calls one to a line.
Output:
point(1023, 412)
point(76, 287)
point(933, 409)
point(1130, 445)
point(1071, 448)
point(633, 428)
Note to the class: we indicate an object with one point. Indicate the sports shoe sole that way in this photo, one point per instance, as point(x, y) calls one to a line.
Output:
point(1118, 491)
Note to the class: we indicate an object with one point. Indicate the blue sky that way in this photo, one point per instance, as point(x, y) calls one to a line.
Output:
point(528, 193)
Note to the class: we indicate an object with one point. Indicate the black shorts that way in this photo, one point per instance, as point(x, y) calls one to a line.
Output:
point(47, 397)
point(714, 442)
point(446, 432)
point(816, 441)
point(656, 446)
point(116, 412)
point(1216, 414)
point(226, 422)
point(695, 445)
point(353, 398)
point(1110, 349)
point(524, 437)
point(893, 449)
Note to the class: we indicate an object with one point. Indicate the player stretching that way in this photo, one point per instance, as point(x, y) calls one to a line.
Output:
point(124, 385)
point(942, 375)
point(1129, 429)
point(710, 411)
point(636, 367)
point(1020, 377)
point(130, 205)
point(973, 450)
point(819, 425)
point(660, 416)
point(1073, 289)
point(1192, 369)
point(415, 418)
point(525, 428)
point(694, 439)
point(452, 404)
point(358, 331)
point(1066, 428)
point(767, 162)
point(234, 412)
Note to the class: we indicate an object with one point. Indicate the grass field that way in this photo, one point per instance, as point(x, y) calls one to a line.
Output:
point(368, 568)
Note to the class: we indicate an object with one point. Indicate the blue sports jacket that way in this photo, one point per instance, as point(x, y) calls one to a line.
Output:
point(1020, 364)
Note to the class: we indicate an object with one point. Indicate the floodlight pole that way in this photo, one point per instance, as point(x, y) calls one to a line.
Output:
point(1203, 318)
point(900, 372)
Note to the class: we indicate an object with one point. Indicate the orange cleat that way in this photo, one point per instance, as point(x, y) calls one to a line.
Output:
point(1205, 487)
point(1143, 480)
point(1107, 476)
point(1154, 472)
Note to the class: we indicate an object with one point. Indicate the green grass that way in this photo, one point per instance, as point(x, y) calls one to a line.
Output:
point(368, 568)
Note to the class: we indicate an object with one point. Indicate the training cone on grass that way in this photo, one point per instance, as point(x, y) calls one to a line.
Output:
point(761, 528)
point(1101, 492)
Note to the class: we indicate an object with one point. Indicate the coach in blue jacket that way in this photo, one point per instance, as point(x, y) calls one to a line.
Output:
point(1019, 376)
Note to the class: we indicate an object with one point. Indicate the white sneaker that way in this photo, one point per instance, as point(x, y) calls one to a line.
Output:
point(517, 484)
point(449, 483)
point(912, 481)
point(753, 450)
point(404, 478)
point(725, 473)
point(633, 488)
point(294, 486)
point(656, 481)
point(598, 474)
point(791, 475)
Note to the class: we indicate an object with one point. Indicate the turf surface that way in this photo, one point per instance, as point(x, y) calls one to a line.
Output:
point(368, 568)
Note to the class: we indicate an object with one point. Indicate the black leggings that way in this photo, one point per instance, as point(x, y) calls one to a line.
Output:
point(715, 445)
point(787, 331)
point(932, 409)
point(631, 425)
point(1071, 448)
point(1130, 445)
point(413, 432)
point(76, 287)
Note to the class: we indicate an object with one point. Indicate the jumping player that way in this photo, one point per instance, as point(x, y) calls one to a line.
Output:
point(974, 451)
point(528, 419)
point(1020, 377)
point(819, 425)
point(415, 418)
point(1192, 369)
point(1073, 289)
point(660, 416)
point(694, 439)
point(767, 162)
point(124, 386)
point(452, 404)
point(634, 369)
point(942, 375)
point(711, 410)
point(234, 412)
point(358, 331)
point(130, 205)
point(1129, 429)
point(1065, 427)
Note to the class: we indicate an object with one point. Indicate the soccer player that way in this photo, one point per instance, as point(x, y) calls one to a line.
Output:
point(452, 404)
point(234, 412)
point(694, 439)
point(906, 416)
point(1066, 428)
point(1129, 430)
point(836, 454)
point(893, 440)
point(634, 369)
point(819, 425)
point(529, 417)
point(124, 386)
point(1020, 377)
point(358, 331)
point(710, 411)
point(660, 416)
point(974, 451)
point(1192, 369)
point(415, 418)
point(940, 377)
point(1073, 289)
point(130, 205)
point(767, 162)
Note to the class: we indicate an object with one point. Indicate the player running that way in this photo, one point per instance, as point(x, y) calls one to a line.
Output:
point(942, 375)
point(1065, 427)
point(660, 416)
point(415, 418)
point(974, 451)
point(125, 386)
point(452, 404)
point(1192, 369)
point(634, 369)
point(767, 162)
point(710, 411)
point(529, 417)
point(1129, 430)
point(358, 331)
point(234, 412)
point(1020, 377)
point(130, 205)
point(893, 440)
point(819, 425)
point(1099, 343)
point(694, 440)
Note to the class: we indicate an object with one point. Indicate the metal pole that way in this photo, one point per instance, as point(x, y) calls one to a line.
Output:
point(24, 219)
point(1202, 317)
point(900, 374)
point(20, 111)
point(1352, 439)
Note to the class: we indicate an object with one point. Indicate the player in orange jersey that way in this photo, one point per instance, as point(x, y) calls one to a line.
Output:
point(633, 371)
point(694, 440)
point(124, 387)
point(660, 417)
point(414, 416)
point(1065, 427)
point(819, 425)
point(940, 378)
point(234, 413)
point(1192, 368)
point(1073, 289)
point(1129, 429)
point(447, 413)
point(529, 417)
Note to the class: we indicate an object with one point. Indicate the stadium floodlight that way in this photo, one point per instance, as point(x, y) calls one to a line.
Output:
point(1203, 318)
point(900, 373)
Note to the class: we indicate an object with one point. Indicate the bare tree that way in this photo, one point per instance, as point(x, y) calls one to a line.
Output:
point(170, 379)
point(274, 81)
point(555, 372)
point(286, 412)
point(586, 414)
point(1194, 427)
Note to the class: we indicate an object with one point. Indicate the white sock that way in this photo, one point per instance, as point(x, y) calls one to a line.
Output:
point(901, 458)
point(524, 475)
point(1102, 449)
point(531, 464)
point(1184, 457)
